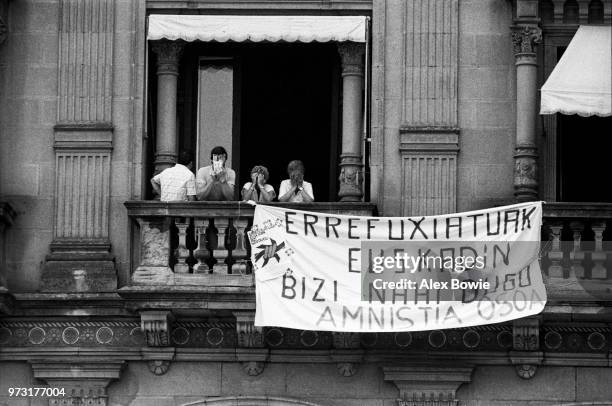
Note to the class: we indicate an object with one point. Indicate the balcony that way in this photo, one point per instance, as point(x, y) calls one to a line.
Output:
point(196, 254)
point(577, 248)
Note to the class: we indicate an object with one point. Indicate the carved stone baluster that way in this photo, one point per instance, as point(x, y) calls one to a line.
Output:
point(577, 255)
point(555, 255)
point(181, 253)
point(240, 253)
point(201, 253)
point(221, 253)
point(599, 255)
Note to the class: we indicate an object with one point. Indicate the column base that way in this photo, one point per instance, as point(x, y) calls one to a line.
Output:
point(79, 267)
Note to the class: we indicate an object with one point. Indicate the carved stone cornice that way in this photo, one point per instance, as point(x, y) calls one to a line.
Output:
point(83, 382)
point(351, 56)
point(525, 39)
point(156, 326)
point(428, 385)
point(168, 56)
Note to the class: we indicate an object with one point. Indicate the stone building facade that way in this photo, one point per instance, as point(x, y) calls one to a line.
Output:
point(103, 293)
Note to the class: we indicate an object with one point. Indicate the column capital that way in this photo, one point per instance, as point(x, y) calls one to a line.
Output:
point(168, 56)
point(525, 39)
point(351, 56)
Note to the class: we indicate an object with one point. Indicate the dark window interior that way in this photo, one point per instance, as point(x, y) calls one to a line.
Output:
point(584, 158)
point(286, 106)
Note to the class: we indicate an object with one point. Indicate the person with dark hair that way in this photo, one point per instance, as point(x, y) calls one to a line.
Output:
point(176, 184)
point(215, 182)
point(258, 190)
point(295, 189)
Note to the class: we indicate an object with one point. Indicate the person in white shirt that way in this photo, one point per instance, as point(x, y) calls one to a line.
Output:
point(257, 189)
point(295, 189)
point(176, 184)
point(216, 182)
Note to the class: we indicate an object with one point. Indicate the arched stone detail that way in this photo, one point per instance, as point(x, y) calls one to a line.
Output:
point(251, 401)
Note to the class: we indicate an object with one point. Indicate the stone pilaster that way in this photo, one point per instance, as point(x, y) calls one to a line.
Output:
point(168, 56)
point(526, 35)
point(428, 385)
point(83, 382)
point(351, 167)
point(80, 258)
point(414, 99)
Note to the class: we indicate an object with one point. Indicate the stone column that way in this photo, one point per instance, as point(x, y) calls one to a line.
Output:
point(168, 55)
point(351, 171)
point(524, 39)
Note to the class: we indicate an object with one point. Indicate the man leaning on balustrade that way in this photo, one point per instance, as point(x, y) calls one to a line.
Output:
point(176, 184)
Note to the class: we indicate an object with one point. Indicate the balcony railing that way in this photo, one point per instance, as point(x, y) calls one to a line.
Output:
point(205, 244)
point(577, 251)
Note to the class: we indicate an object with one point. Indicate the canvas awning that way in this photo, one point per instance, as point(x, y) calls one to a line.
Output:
point(581, 81)
point(224, 28)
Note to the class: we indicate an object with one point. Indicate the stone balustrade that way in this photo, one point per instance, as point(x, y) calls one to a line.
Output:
point(204, 243)
point(577, 251)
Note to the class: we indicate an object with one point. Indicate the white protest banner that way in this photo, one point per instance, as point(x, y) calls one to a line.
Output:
point(316, 271)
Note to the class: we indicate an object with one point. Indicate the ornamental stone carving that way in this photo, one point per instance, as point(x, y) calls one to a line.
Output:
point(168, 56)
point(155, 326)
point(525, 39)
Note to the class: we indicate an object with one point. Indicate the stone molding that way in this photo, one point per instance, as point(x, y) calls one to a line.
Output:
point(84, 381)
point(251, 401)
point(421, 385)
